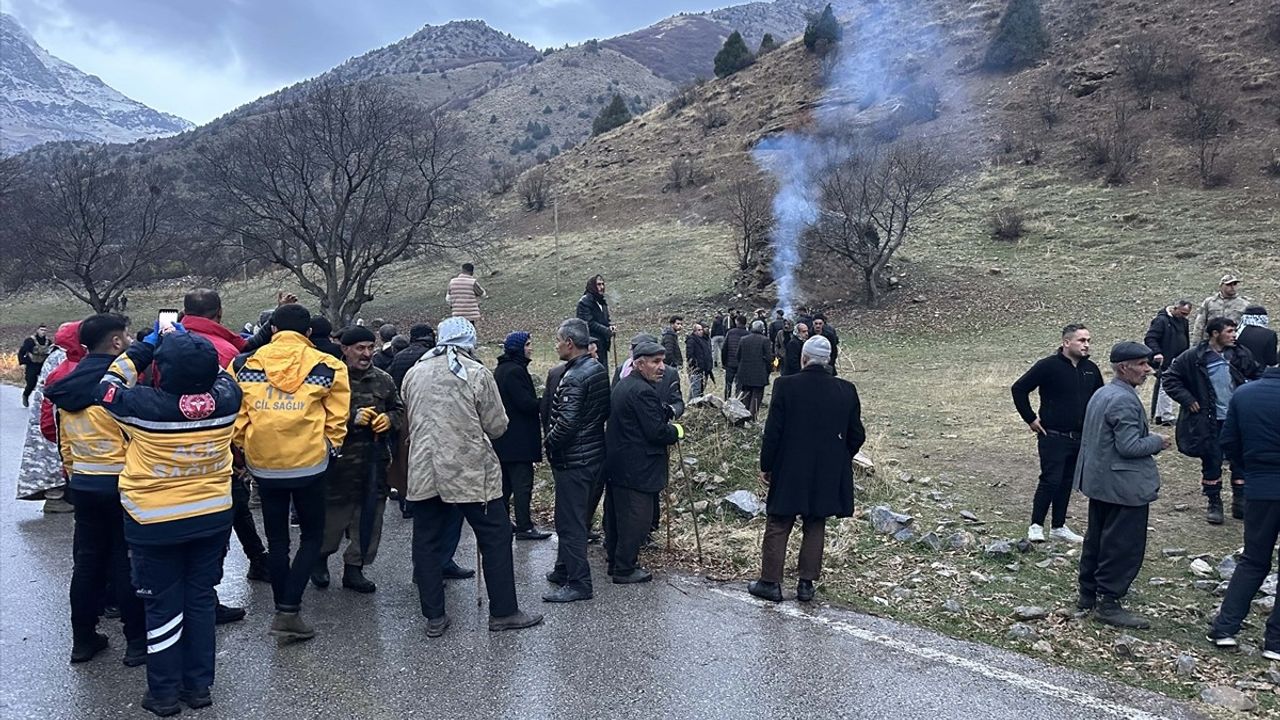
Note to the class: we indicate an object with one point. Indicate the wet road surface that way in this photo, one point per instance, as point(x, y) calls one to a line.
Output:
point(678, 647)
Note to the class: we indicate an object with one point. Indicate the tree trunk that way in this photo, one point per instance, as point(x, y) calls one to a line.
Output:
point(872, 292)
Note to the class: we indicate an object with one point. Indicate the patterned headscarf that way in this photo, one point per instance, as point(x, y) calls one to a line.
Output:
point(452, 334)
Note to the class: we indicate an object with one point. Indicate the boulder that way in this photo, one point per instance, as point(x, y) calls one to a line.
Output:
point(888, 522)
point(735, 412)
point(931, 541)
point(744, 503)
point(1184, 665)
point(1043, 647)
point(1227, 567)
point(969, 515)
point(962, 540)
point(1200, 568)
point(999, 548)
point(1227, 697)
point(1265, 604)
point(904, 535)
point(1125, 646)
point(953, 606)
point(1174, 552)
point(1269, 585)
point(1030, 612)
point(1021, 631)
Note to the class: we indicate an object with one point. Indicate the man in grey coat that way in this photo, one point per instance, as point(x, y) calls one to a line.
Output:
point(1117, 472)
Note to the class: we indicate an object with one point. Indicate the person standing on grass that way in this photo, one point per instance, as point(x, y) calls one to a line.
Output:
point(454, 413)
point(1117, 472)
point(671, 341)
point(593, 309)
point(821, 328)
point(1202, 380)
point(1227, 303)
point(780, 340)
point(813, 431)
point(755, 363)
point(729, 353)
point(1251, 438)
point(1257, 336)
point(698, 358)
point(792, 352)
point(1167, 337)
point(520, 447)
point(463, 294)
point(1066, 380)
point(31, 356)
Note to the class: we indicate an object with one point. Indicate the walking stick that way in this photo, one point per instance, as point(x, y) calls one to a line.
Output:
point(666, 499)
point(697, 535)
point(479, 575)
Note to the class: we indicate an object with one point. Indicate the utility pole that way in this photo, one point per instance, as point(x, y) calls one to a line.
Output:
point(555, 214)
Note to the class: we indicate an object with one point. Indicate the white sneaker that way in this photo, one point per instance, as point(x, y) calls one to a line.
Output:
point(1223, 642)
point(1064, 533)
point(1035, 533)
point(1271, 654)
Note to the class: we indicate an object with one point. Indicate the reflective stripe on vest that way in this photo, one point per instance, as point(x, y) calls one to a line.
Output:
point(286, 473)
point(171, 511)
point(87, 468)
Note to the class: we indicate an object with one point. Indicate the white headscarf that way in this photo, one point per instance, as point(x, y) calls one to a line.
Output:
point(454, 333)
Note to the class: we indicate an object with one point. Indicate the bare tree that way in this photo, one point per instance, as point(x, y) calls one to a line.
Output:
point(873, 200)
point(91, 224)
point(339, 183)
point(535, 189)
point(1115, 146)
point(1202, 124)
point(751, 208)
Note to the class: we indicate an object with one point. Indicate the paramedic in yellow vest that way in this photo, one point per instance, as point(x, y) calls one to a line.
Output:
point(464, 293)
point(176, 493)
point(294, 418)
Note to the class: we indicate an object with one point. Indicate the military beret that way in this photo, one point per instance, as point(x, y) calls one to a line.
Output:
point(1120, 352)
point(357, 334)
point(647, 349)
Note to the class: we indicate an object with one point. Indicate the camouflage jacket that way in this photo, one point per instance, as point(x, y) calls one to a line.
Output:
point(372, 388)
point(1217, 306)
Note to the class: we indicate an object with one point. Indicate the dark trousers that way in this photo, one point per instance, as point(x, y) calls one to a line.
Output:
point(1261, 529)
point(433, 540)
point(32, 373)
point(176, 585)
point(574, 490)
point(100, 566)
point(242, 519)
point(517, 485)
point(628, 514)
point(593, 504)
point(730, 374)
point(1211, 466)
point(1113, 548)
point(752, 397)
point(777, 531)
point(1057, 472)
point(289, 581)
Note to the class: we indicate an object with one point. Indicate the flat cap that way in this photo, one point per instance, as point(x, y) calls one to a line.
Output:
point(643, 338)
point(1122, 351)
point(357, 334)
point(647, 349)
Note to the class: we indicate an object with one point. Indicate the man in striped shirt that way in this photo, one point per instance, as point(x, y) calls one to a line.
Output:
point(464, 293)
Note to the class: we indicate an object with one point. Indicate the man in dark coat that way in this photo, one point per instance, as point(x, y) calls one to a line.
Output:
point(777, 324)
point(1117, 472)
point(813, 431)
point(1251, 438)
point(575, 447)
point(593, 309)
point(1167, 338)
point(31, 356)
point(791, 354)
point(729, 353)
point(521, 445)
point(755, 362)
point(322, 337)
point(698, 357)
point(821, 328)
point(671, 341)
point(387, 351)
point(720, 325)
point(1202, 380)
point(421, 339)
point(637, 436)
point(780, 340)
point(1256, 335)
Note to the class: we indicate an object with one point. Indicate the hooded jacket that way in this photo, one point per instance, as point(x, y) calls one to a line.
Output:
point(1167, 336)
point(227, 343)
point(89, 440)
point(1187, 381)
point(297, 401)
point(68, 338)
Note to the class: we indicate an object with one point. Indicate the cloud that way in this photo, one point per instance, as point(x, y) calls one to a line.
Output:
point(202, 58)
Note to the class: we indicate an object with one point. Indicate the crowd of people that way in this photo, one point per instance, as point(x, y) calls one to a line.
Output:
point(164, 440)
point(1219, 369)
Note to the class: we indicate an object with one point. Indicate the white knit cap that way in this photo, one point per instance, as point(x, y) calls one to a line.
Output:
point(817, 348)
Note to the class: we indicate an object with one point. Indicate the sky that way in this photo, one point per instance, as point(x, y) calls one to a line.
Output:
point(199, 59)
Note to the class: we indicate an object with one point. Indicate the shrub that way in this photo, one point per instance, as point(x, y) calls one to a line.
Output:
point(1115, 146)
point(535, 189)
point(1203, 122)
point(682, 98)
point(823, 31)
point(921, 102)
point(1020, 39)
point(711, 116)
point(1272, 166)
point(733, 56)
point(493, 119)
point(614, 115)
point(683, 172)
point(767, 44)
point(592, 46)
point(547, 110)
point(1046, 101)
point(1150, 63)
point(1007, 223)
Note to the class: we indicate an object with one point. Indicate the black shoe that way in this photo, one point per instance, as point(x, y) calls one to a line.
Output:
point(353, 579)
point(518, 621)
point(84, 649)
point(770, 591)
point(804, 590)
point(259, 570)
point(223, 614)
point(454, 571)
point(1237, 502)
point(557, 578)
point(135, 653)
point(320, 577)
point(196, 699)
point(1085, 602)
point(111, 612)
point(437, 626)
point(639, 575)
point(1213, 514)
point(593, 538)
point(532, 534)
point(164, 707)
point(566, 594)
point(1109, 612)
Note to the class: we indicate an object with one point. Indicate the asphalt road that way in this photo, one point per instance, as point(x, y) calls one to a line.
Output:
point(679, 647)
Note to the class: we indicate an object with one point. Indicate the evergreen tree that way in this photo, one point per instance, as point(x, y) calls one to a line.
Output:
point(767, 44)
point(615, 114)
point(823, 31)
point(1020, 39)
point(733, 57)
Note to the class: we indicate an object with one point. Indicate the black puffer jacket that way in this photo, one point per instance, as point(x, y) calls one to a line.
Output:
point(729, 352)
point(575, 433)
point(1167, 336)
point(407, 358)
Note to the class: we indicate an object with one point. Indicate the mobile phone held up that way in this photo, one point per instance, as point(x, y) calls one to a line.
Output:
point(166, 318)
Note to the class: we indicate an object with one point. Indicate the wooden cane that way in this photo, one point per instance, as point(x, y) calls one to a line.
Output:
point(666, 499)
point(697, 535)
point(479, 576)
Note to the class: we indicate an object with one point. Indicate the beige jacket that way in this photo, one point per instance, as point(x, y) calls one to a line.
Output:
point(450, 425)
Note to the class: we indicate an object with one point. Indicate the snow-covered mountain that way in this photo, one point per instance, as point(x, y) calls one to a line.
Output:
point(43, 98)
